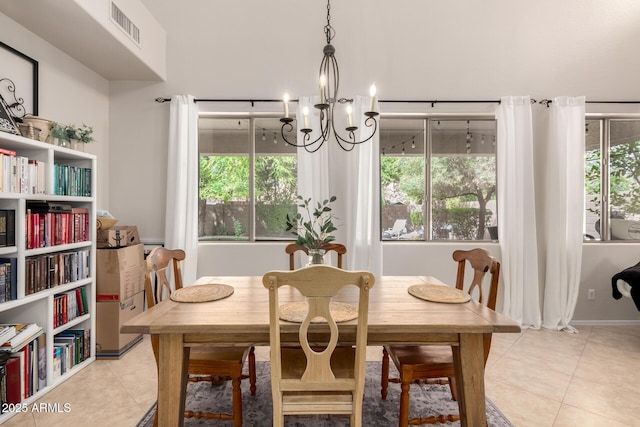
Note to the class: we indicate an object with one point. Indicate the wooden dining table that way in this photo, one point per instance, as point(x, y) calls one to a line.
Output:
point(395, 317)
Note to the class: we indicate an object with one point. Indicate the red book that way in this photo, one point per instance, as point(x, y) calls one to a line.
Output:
point(7, 152)
point(13, 380)
point(28, 233)
point(24, 365)
point(64, 309)
point(81, 308)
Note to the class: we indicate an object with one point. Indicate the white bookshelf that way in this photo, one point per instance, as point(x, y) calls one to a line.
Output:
point(39, 307)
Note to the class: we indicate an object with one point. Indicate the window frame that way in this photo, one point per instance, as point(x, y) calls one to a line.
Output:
point(251, 117)
point(428, 120)
point(605, 120)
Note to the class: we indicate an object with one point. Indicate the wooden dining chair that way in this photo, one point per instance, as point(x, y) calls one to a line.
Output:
point(206, 363)
point(306, 377)
point(338, 248)
point(417, 363)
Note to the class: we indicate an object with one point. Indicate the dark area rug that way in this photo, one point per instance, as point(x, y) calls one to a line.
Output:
point(426, 400)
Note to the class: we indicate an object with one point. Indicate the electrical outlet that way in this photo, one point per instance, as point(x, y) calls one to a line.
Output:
point(591, 294)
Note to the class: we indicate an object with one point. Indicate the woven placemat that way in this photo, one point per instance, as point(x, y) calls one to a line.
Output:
point(439, 293)
point(202, 293)
point(297, 311)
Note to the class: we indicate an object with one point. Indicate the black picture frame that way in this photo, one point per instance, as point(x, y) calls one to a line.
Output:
point(7, 124)
point(17, 105)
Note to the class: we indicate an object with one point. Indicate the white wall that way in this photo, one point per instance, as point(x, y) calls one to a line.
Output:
point(412, 49)
point(69, 93)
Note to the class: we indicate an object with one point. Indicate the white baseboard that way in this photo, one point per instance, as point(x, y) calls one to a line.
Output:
point(604, 322)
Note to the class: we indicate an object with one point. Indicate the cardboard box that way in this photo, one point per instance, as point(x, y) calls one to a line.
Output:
point(118, 236)
point(110, 315)
point(120, 273)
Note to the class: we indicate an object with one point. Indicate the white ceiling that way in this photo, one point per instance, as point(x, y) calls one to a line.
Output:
point(70, 28)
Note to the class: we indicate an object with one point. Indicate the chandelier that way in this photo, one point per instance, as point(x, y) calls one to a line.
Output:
point(329, 81)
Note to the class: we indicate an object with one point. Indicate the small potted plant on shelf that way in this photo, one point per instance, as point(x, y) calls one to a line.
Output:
point(314, 231)
point(72, 136)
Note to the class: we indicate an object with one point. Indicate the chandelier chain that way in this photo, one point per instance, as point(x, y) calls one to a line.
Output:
point(328, 29)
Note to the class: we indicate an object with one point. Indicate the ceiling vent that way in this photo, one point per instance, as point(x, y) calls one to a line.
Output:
point(123, 21)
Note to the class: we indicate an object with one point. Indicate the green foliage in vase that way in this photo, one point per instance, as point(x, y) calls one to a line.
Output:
point(316, 229)
point(83, 133)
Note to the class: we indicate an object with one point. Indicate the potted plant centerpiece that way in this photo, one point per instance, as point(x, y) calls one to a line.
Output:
point(314, 231)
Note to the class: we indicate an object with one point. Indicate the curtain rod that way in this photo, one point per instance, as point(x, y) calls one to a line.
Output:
point(409, 101)
point(406, 101)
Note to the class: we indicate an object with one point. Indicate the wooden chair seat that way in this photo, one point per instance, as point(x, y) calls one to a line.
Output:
point(206, 363)
point(424, 360)
point(426, 363)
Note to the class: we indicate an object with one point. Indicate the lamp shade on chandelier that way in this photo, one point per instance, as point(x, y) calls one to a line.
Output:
point(329, 82)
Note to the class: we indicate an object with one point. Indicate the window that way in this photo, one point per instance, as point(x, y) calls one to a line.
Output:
point(247, 179)
point(438, 179)
point(612, 179)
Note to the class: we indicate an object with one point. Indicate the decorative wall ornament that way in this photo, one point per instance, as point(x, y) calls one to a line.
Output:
point(7, 124)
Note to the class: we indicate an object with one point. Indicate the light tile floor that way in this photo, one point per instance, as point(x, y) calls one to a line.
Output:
point(537, 378)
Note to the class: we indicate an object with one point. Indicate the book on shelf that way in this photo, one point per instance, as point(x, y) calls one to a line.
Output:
point(22, 370)
point(3, 284)
point(25, 332)
point(19, 174)
point(6, 333)
point(7, 227)
point(50, 224)
point(83, 338)
point(10, 278)
point(72, 180)
point(13, 374)
point(42, 362)
point(37, 174)
point(51, 270)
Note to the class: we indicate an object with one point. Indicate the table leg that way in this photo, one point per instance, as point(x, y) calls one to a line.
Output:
point(468, 359)
point(172, 380)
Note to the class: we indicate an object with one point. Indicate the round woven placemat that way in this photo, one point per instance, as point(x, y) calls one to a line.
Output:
point(297, 311)
point(439, 293)
point(202, 293)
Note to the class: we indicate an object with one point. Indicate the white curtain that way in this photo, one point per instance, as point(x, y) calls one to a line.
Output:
point(564, 210)
point(181, 215)
point(313, 168)
point(516, 211)
point(360, 178)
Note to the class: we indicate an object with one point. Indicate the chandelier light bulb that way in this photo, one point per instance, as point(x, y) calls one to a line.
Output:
point(305, 113)
point(350, 115)
point(323, 84)
point(372, 97)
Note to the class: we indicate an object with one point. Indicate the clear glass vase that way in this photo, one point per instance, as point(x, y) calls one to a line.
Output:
point(62, 142)
point(316, 256)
